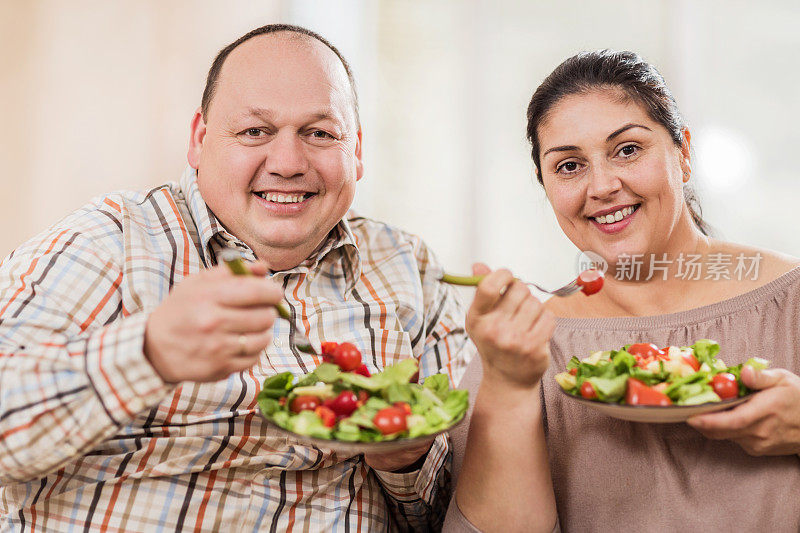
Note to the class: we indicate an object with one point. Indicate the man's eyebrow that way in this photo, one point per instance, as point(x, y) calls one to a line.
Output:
point(625, 128)
point(268, 115)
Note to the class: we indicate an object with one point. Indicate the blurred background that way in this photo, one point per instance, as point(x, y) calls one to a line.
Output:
point(97, 96)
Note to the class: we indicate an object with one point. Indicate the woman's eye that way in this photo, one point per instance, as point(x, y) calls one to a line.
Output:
point(629, 150)
point(568, 168)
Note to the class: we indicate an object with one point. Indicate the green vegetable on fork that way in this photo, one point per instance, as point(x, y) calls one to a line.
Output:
point(233, 258)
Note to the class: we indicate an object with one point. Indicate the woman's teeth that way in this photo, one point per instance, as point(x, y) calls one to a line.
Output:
point(616, 216)
point(282, 198)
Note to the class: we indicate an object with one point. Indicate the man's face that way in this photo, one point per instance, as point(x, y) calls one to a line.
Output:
point(279, 153)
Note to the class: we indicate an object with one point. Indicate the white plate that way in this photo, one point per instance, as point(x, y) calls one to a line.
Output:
point(355, 448)
point(655, 413)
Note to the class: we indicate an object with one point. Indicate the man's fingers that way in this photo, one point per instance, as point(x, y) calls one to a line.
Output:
point(247, 320)
point(480, 269)
point(249, 345)
point(248, 291)
point(491, 290)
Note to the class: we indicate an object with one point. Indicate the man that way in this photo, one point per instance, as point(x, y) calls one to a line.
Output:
point(130, 360)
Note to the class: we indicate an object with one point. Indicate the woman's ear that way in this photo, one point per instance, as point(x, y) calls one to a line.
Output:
point(686, 155)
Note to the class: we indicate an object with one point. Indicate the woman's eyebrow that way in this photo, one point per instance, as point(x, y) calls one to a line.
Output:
point(560, 149)
point(625, 128)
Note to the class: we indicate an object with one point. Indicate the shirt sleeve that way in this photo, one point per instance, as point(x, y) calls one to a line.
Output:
point(419, 500)
point(72, 366)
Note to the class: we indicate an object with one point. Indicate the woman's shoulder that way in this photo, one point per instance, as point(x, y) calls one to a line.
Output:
point(762, 265)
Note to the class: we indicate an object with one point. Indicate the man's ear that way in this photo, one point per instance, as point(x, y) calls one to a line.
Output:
point(196, 137)
point(686, 155)
point(359, 161)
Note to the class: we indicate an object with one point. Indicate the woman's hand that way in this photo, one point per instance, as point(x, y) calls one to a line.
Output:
point(768, 424)
point(510, 328)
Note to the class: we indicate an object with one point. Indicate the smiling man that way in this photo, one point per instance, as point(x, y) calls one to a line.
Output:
point(130, 360)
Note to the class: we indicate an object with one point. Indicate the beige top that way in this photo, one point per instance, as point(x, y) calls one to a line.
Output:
point(609, 474)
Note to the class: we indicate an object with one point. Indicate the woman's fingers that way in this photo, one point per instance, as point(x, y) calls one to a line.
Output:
point(491, 290)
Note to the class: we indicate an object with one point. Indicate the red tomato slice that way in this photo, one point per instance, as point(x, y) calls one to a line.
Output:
point(638, 393)
point(327, 415)
point(587, 391)
point(691, 360)
point(363, 370)
point(725, 385)
point(648, 350)
point(590, 281)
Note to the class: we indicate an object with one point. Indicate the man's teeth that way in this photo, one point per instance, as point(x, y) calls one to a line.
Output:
point(616, 216)
point(282, 198)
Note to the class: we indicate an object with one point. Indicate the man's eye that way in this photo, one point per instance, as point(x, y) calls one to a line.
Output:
point(253, 132)
point(319, 134)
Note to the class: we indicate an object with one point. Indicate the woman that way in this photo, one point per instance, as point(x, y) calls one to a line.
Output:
point(613, 154)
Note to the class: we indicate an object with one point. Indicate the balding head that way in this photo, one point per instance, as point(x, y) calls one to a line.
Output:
point(287, 31)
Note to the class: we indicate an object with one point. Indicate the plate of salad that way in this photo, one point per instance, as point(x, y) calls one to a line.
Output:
point(341, 407)
point(644, 383)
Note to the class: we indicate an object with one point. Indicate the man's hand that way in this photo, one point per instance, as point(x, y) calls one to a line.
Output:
point(389, 462)
point(510, 328)
point(769, 423)
point(211, 325)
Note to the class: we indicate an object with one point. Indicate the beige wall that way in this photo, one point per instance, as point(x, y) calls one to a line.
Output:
point(98, 95)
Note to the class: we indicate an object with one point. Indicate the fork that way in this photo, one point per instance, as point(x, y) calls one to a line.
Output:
point(233, 258)
point(471, 281)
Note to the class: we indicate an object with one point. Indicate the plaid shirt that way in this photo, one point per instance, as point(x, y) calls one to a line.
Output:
point(91, 438)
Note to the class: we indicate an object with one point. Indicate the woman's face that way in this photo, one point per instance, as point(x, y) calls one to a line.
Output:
point(614, 176)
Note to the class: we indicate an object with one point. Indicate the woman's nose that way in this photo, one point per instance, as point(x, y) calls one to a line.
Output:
point(603, 182)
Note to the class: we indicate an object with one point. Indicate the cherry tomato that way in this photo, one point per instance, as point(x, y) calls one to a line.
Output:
point(573, 371)
point(363, 370)
point(327, 349)
point(344, 404)
point(691, 360)
point(347, 356)
point(363, 396)
point(302, 403)
point(725, 385)
point(390, 420)
point(590, 281)
point(638, 393)
point(404, 406)
point(587, 391)
point(327, 415)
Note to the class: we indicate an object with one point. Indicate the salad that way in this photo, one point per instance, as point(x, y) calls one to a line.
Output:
point(340, 400)
point(644, 374)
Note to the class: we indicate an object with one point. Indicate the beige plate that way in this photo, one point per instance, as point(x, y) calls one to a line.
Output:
point(656, 414)
point(355, 448)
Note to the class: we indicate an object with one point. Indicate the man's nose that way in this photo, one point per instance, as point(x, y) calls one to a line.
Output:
point(286, 155)
point(604, 181)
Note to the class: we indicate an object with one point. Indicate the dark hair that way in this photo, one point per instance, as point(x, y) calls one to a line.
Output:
point(216, 66)
point(626, 71)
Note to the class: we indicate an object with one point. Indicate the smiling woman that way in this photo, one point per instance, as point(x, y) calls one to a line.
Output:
point(613, 155)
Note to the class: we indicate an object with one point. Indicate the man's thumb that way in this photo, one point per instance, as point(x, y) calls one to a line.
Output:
point(760, 379)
